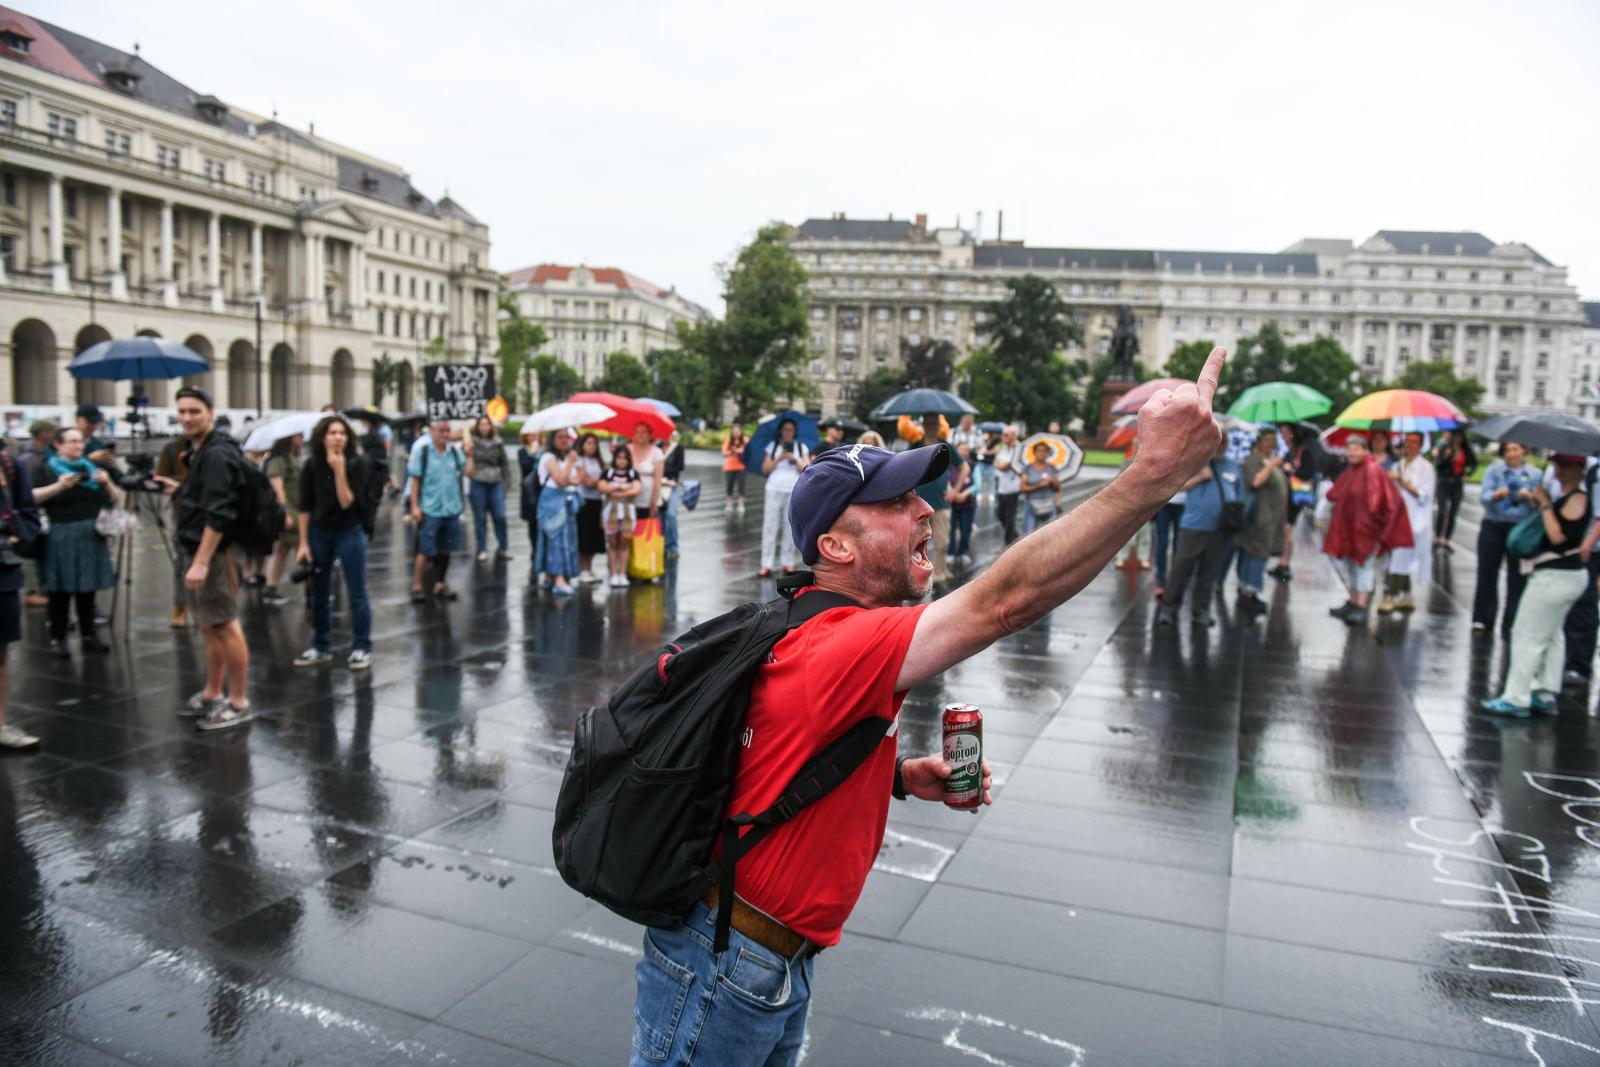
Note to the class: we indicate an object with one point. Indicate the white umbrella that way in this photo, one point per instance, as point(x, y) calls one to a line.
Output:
point(270, 433)
point(568, 413)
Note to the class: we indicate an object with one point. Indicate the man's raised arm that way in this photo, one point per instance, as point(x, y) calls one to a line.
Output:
point(1177, 435)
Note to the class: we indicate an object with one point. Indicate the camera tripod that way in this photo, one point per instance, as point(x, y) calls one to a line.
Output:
point(146, 506)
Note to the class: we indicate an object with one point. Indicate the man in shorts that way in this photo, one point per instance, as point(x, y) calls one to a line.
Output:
point(208, 503)
point(436, 469)
point(864, 531)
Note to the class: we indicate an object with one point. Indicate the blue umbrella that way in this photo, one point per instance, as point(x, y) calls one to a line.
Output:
point(919, 402)
point(137, 359)
point(991, 427)
point(666, 408)
point(755, 450)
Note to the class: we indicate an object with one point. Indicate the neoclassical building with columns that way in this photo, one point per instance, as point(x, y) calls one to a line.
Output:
point(1500, 312)
point(133, 204)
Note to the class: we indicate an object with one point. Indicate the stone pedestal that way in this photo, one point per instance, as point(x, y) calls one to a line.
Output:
point(1111, 393)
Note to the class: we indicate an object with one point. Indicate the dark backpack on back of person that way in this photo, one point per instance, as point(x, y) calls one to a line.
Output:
point(260, 517)
point(646, 791)
point(1232, 517)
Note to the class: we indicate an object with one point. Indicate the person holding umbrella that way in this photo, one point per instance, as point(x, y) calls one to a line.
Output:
point(781, 463)
point(1408, 567)
point(1369, 519)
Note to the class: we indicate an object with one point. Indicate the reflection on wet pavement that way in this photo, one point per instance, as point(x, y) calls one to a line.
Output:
point(1262, 843)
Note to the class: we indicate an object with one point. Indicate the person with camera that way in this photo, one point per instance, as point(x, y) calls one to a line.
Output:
point(208, 504)
point(78, 564)
point(98, 450)
point(336, 485)
point(19, 527)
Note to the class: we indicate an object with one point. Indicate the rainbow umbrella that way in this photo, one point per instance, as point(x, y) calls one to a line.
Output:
point(1402, 411)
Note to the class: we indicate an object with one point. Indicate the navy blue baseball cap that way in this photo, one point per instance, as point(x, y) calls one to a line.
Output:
point(859, 474)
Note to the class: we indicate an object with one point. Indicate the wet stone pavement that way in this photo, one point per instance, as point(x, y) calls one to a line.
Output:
point(1270, 842)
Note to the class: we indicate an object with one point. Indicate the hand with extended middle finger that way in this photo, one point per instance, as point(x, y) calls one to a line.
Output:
point(1177, 433)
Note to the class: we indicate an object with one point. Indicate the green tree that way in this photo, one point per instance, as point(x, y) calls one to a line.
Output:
point(1439, 376)
point(929, 364)
point(1266, 356)
point(757, 351)
point(879, 386)
point(387, 373)
point(520, 339)
point(557, 381)
point(625, 376)
point(1188, 358)
point(682, 378)
point(1021, 373)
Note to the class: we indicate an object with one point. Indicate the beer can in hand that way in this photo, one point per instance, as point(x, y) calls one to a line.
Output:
point(963, 750)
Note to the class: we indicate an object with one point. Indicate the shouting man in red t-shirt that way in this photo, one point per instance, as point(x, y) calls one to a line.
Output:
point(865, 533)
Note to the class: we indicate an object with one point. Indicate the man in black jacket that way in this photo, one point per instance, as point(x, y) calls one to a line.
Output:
point(208, 504)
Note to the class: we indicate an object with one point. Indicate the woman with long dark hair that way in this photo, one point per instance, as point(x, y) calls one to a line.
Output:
point(77, 562)
point(556, 557)
point(733, 472)
point(336, 485)
point(591, 534)
point(491, 472)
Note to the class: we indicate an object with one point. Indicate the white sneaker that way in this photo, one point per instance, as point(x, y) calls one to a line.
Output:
point(12, 737)
point(619, 581)
point(360, 660)
point(199, 704)
point(225, 716)
point(589, 578)
point(483, 557)
point(312, 658)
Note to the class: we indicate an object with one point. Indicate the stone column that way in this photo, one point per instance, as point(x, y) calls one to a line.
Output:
point(119, 280)
point(1390, 350)
point(214, 259)
point(1525, 376)
point(169, 284)
point(358, 277)
point(313, 281)
point(58, 251)
point(1459, 343)
point(255, 265)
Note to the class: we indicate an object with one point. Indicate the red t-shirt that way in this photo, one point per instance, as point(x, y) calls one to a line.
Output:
point(832, 672)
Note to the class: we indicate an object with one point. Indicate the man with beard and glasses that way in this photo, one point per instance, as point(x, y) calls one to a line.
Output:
point(864, 532)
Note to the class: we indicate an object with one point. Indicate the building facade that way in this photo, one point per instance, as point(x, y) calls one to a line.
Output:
point(589, 313)
point(1585, 385)
point(131, 204)
point(1501, 312)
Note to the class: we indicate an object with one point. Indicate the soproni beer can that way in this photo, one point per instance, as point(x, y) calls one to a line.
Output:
point(963, 750)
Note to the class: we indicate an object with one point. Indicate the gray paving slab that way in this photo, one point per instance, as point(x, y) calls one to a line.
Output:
point(1268, 842)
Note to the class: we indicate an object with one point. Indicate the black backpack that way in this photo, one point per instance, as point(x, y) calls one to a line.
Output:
point(646, 791)
point(1233, 517)
point(259, 520)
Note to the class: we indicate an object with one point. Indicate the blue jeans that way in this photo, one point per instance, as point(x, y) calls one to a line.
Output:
point(489, 499)
point(1031, 520)
point(961, 530)
point(1166, 538)
point(669, 519)
point(1252, 572)
point(349, 547)
point(746, 1006)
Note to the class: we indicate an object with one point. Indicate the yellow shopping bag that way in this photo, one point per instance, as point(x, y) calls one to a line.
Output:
point(647, 552)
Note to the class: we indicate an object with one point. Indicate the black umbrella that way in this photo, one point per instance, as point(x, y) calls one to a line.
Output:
point(919, 402)
point(372, 415)
point(847, 423)
point(407, 419)
point(1553, 430)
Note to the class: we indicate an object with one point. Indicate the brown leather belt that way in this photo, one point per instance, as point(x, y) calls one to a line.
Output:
point(764, 930)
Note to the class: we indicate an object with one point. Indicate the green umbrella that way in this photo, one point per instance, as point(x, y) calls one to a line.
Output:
point(1280, 402)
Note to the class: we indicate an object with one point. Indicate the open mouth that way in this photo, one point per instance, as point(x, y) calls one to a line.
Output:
point(919, 554)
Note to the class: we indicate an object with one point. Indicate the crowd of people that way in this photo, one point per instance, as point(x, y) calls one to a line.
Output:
point(583, 499)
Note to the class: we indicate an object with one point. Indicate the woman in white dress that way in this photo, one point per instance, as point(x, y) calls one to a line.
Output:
point(1410, 568)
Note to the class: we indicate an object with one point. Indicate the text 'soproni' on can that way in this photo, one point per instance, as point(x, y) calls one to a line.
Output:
point(963, 750)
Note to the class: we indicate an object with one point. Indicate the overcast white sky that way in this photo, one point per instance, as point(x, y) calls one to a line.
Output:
point(658, 137)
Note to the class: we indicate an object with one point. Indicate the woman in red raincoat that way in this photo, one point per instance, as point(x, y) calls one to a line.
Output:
point(1369, 519)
